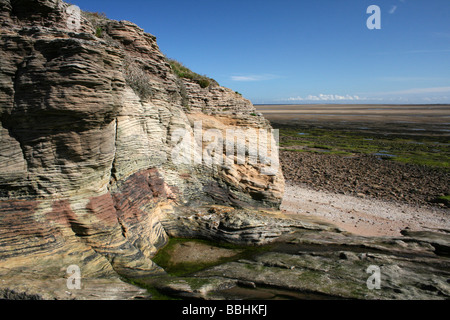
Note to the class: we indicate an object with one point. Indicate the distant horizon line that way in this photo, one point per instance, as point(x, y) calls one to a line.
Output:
point(361, 104)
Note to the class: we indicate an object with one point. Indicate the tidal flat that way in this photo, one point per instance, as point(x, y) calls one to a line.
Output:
point(429, 147)
point(391, 152)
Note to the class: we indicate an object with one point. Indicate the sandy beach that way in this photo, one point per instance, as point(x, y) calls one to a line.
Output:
point(428, 114)
point(365, 217)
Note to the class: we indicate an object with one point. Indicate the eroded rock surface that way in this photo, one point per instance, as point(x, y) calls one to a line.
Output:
point(325, 264)
point(90, 120)
point(89, 123)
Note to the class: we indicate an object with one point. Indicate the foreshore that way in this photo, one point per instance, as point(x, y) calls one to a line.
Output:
point(362, 216)
point(423, 114)
point(360, 192)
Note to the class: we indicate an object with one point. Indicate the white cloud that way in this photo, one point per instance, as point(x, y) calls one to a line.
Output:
point(326, 97)
point(254, 77)
point(414, 95)
point(293, 99)
point(393, 9)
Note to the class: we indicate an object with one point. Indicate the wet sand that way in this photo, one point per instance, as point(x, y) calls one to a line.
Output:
point(429, 114)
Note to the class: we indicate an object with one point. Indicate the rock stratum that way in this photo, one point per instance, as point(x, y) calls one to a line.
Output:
point(90, 118)
point(106, 153)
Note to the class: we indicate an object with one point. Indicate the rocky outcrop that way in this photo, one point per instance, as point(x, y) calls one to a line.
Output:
point(105, 154)
point(90, 121)
point(321, 265)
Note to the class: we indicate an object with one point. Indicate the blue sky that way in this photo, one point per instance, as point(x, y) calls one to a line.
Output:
point(303, 51)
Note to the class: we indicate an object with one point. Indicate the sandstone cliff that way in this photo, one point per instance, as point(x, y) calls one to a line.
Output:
point(106, 152)
point(89, 121)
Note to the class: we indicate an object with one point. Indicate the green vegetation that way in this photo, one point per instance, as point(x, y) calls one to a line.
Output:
point(444, 199)
point(204, 83)
point(432, 151)
point(183, 72)
point(97, 19)
point(163, 258)
point(99, 32)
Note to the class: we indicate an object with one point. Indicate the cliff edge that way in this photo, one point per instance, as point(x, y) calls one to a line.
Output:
point(105, 152)
point(108, 149)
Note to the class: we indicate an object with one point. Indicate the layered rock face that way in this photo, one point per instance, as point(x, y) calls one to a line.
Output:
point(103, 148)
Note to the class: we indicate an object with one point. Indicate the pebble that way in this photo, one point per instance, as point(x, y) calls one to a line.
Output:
point(361, 215)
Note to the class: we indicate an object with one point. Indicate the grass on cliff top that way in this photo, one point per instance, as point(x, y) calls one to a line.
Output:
point(97, 19)
point(182, 71)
